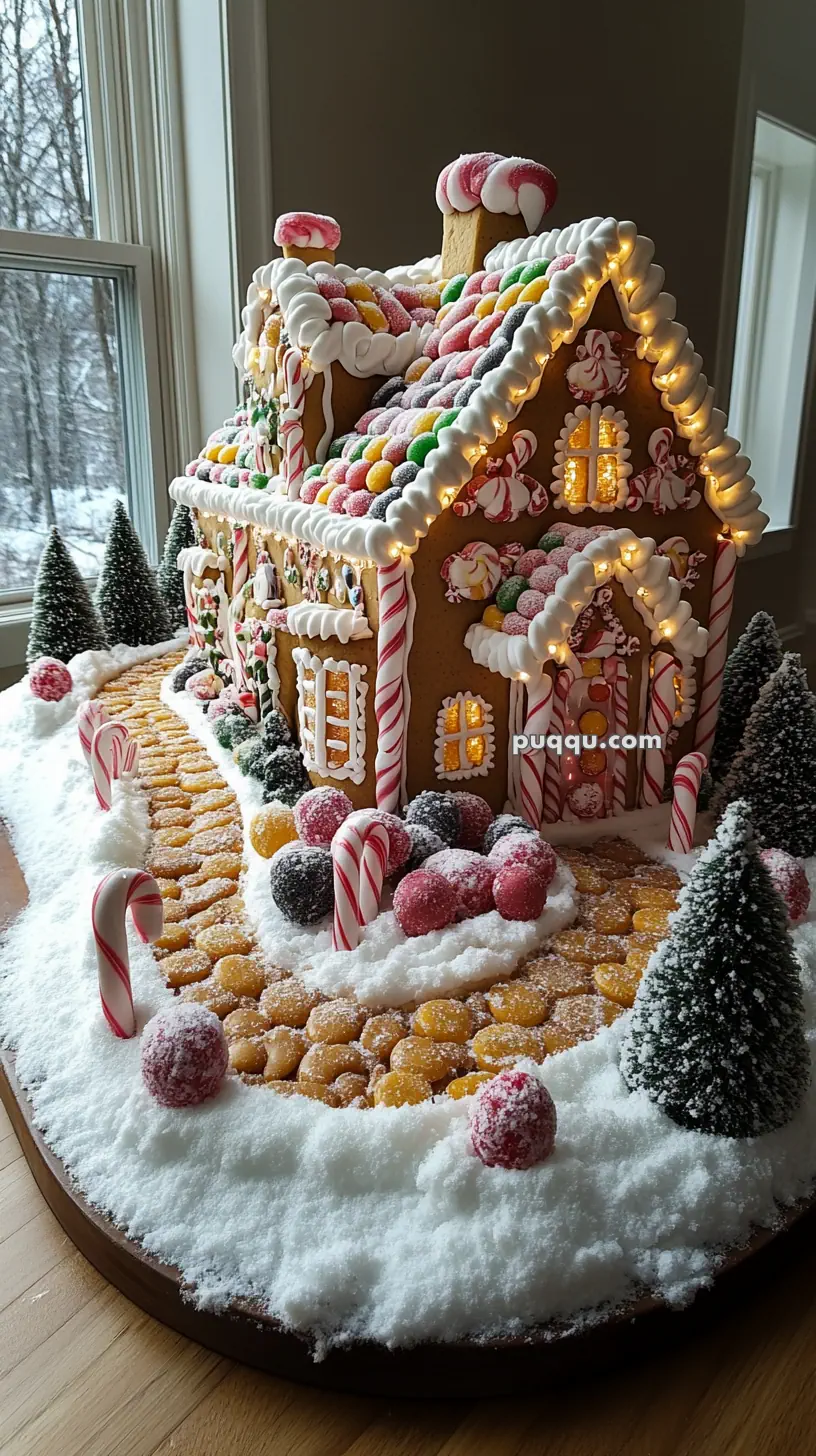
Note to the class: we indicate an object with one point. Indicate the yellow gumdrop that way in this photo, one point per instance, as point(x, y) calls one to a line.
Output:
point(486, 304)
point(227, 454)
point(416, 370)
point(372, 315)
point(379, 476)
point(430, 293)
point(508, 298)
point(532, 292)
point(401, 1089)
point(443, 1020)
point(374, 448)
point(271, 828)
point(493, 617)
point(467, 1085)
point(443, 313)
point(426, 422)
point(654, 922)
point(212, 452)
point(324, 493)
point(359, 291)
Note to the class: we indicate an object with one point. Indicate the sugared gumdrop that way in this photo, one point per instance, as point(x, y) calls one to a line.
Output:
point(471, 876)
point(475, 818)
point(438, 812)
point(424, 902)
point(520, 892)
point(513, 1121)
point(789, 878)
point(184, 1055)
point(519, 848)
point(319, 814)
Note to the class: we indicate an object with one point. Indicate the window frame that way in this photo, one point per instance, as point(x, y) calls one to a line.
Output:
point(593, 414)
point(314, 738)
point(486, 730)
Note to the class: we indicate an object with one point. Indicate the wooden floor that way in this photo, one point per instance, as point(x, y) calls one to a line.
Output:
point(82, 1370)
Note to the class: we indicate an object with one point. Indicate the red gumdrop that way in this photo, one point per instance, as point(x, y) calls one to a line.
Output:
point(513, 1121)
point(396, 315)
point(530, 603)
point(183, 1055)
point(337, 472)
point(789, 879)
point(491, 281)
point(406, 295)
point(424, 902)
point(519, 848)
point(356, 473)
point(400, 843)
point(464, 368)
point(457, 338)
point(310, 487)
point(363, 425)
point(359, 502)
point(338, 498)
point(459, 310)
point(343, 311)
point(471, 876)
point(423, 315)
point(396, 449)
point(484, 330)
point(514, 625)
point(561, 556)
point(432, 344)
point(474, 284)
point(558, 264)
point(545, 579)
point(529, 561)
point(319, 814)
point(475, 818)
point(49, 679)
point(329, 286)
point(519, 892)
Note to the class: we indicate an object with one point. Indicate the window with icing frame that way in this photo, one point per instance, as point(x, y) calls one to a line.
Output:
point(465, 738)
point(331, 715)
point(592, 459)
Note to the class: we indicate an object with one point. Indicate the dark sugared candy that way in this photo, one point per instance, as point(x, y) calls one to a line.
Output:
point(438, 812)
point(302, 882)
point(505, 824)
point(475, 818)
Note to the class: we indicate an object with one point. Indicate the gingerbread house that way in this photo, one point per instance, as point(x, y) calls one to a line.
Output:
point(473, 505)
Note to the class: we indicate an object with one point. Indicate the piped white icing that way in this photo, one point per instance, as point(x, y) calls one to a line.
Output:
point(312, 619)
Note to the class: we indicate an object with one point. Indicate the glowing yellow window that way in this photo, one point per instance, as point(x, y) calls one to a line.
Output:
point(464, 737)
point(592, 454)
point(331, 716)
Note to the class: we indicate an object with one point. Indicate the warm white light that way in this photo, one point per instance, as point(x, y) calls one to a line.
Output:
point(552, 648)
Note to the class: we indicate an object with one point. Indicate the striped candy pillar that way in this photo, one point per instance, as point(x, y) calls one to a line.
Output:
point(722, 601)
point(659, 719)
point(540, 693)
point(553, 776)
point(291, 423)
point(620, 717)
point(390, 691)
point(686, 786)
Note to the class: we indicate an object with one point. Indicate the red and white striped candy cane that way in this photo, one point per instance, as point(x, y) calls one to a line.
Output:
point(659, 719)
point(553, 776)
point(240, 558)
point(620, 714)
point(107, 757)
point(291, 426)
point(533, 760)
point(89, 717)
point(722, 601)
point(359, 854)
point(137, 890)
point(687, 777)
point(240, 576)
point(522, 449)
point(394, 588)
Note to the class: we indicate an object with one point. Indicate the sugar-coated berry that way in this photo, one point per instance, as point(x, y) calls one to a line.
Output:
point(319, 814)
point(475, 817)
point(578, 537)
point(271, 828)
point(471, 876)
point(49, 679)
point(184, 1055)
point(526, 564)
point(424, 843)
point(560, 263)
point(400, 844)
point(439, 812)
point(302, 882)
point(186, 670)
point(424, 902)
point(509, 592)
point(513, 1121)
point(506, 824)
point(789, 878)
point(520, 892)
point(275, 730)
point(519, 848)
point(561, 556)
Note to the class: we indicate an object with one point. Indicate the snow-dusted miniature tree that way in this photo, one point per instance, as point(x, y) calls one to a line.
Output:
point(127, 596)
point(775, 770)
point(169, 578)
point(755, 657)
point(717, 1036)
point(63, 619)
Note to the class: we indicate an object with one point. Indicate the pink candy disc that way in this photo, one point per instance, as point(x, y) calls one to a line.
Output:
point(183, 1055)
point(526, 564)
point(520, 892)
point(49, 679)
point(545, 579)
point(513, 1122)
point(561, 557)
point(530, 603)
point(514, 625)
point(424, 902)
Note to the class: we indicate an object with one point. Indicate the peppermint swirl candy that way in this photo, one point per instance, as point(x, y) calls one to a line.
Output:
point(509, 185)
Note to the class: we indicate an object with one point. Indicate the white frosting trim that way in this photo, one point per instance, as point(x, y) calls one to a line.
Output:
point(485, 730)
point(313, 619)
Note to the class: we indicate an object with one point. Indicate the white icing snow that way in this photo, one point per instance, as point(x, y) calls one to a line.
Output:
point(377, 1224)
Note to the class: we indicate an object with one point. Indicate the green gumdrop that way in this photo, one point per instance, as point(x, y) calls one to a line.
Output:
point(510, 277)
point(550, 541)
point(356, 452)
point(258, 480)
point(509, 592)
point(312, 471)
point(336, 447)
point(451, 291)
point(421, 446)
point(534, 270)
point(445, 419)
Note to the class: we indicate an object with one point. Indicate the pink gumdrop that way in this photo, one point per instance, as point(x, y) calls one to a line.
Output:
point(356, 473)
point(319, 814)
point(484, 330)
point(400, 843)
point(192, 467)
point(491, 281)
point(49, 679)
point(471, 876)
point(561, 556)
point(513, 1121)
point(330, 287)
point(363, 425)
point(396, 449)
point(559, 264)
point(183, 1055)
point(432, 344)
point(344, 311)
point(578, 537)
point(423, 316)
point(459, 310)
point(359, 502)
point(337, 472)
point(338, 498)
point(243, 476)
point(518, 848)
point(530, 603)
point(789, 879)
point(519, 892)
point(475, 818)
point(474, 284)
point(527, 563)
point(457, 338)
point(514, 625)
point(396, 315)
point(451, 370)
point(545, 579)
point(444, 397)
point(310, 487)
point(406, 295)
point(464, 368)
point(424, 902)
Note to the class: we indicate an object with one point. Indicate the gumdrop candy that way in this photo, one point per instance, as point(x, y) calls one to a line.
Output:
point(475, 817)
point(319, 814)
point(513, 1121)
point(49, 679)
point(506, 824)
point(302, 883)
point(184, 1055)
point(525, 849)
point(424, 902)
point(471, 876)
point(437, 812)
point(789, 878)
point(520, 892)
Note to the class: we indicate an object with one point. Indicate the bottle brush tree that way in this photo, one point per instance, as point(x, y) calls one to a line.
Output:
point(169, 578)
point(63, 619)
point(127, 597)
point(756, 655)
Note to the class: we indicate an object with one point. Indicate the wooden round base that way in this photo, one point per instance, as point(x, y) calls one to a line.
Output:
point(546, 1356)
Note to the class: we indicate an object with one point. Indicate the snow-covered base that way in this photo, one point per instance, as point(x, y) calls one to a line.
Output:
point(349, 1223)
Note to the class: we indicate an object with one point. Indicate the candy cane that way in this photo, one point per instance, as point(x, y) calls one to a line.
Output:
point(107, 756)
point(687, 777)
point(113, 895)
point(240, 576)
point(522, 449)
point(291, 427)
point(722, 601)
point(533, 760)
point(620, 714)
point(359, 854)
point(390, 694)
point(659, 719)
point(553, 777)
point(90, 716)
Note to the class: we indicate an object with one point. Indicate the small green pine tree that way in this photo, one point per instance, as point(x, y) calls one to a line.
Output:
point(63, 619)
point(127, 596)
point(756, 655)
point(775, 770)
point(717, 1036)
point(169, 578)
